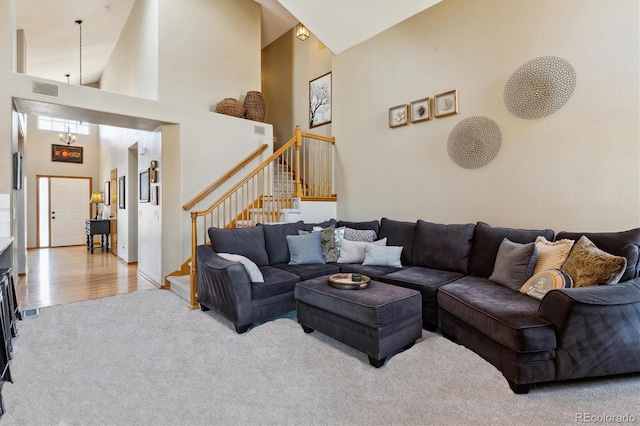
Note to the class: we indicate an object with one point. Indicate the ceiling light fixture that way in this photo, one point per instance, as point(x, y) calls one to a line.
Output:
point(79, 22)
point(67, 138)
point(302, 32)
point(105, 9)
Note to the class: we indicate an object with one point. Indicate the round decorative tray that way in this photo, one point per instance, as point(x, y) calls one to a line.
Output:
point(344, 282)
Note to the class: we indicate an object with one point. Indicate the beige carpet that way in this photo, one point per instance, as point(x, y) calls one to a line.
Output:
point(144, 358)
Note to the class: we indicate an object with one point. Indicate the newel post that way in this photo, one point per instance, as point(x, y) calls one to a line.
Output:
point(296, 169)
point(193, 283)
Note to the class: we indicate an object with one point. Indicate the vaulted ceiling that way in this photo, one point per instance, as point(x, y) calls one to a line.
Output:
point(53, 37)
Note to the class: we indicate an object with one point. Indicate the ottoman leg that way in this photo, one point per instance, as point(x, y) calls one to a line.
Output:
point(307, 329)
point(377, 363)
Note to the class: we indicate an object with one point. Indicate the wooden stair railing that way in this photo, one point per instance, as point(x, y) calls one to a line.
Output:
point(302, 167)
point(201, 196)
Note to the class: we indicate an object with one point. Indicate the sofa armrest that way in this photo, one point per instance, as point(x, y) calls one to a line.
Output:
point(597, 329)
point(224, 286)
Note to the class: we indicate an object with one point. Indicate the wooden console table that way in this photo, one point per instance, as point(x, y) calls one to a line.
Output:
point(95, 227)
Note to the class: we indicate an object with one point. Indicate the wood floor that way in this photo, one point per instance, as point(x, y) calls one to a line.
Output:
point(71, 274)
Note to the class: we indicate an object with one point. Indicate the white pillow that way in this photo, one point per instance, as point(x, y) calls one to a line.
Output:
point(382, 256)
point(354, 251)
point(255, 276)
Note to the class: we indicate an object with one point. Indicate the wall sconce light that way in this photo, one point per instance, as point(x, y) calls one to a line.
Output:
point(302, 32)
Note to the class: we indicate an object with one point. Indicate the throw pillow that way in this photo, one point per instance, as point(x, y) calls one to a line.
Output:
point(540, 284)
point(551, 255)
point(305, 249)
point(514, 264)
point(255, 276)
point(339, 235)
point(589, 266)
point(327, 242)
point(354, 251)
point(375, 255)
point(365, 235)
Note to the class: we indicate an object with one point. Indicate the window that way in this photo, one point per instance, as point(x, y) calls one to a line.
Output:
point(61, 125)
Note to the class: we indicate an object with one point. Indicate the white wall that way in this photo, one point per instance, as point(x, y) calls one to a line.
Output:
point(578, 169)
point(132, 68)
point(37, 161)
point(208, 50)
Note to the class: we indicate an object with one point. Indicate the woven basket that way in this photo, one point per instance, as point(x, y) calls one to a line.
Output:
point(254, 106)
point(230, 106)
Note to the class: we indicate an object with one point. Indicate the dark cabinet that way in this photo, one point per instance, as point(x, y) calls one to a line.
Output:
point(98, 227)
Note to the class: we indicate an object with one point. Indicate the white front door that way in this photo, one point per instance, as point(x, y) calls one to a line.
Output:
point(69, 210)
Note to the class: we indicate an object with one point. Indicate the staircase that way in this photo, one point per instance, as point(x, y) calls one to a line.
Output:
point(301, 169)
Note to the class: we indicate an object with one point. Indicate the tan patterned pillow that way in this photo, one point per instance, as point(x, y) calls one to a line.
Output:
point(590, 266)
point(551, 255)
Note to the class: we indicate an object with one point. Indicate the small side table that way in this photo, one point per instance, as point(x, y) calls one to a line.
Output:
point(101, 227)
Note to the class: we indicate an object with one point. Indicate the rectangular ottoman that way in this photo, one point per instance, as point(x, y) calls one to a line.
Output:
point(380, 320)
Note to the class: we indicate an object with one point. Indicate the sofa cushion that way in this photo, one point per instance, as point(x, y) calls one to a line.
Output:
point(625, 243)
point(551, 254)
point(427, 282)
point(514, 264)
point(506, 316)
point(248, 242)
point(306, 272)
point(373, 272)
point(487, 240)
point(445, 247)
point(276, 281)
point(373, 225)
point(399, 234)
point(589, 266)
point(275, 240)
point(305, 249)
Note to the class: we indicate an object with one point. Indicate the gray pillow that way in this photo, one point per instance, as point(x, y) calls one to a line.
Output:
point(305, 249)
point(514, 264)
point(366, 235)
point(375, 255)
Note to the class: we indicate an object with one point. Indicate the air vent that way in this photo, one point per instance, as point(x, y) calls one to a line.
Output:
point(258, 129)
point(46, 89)
point(30, 313)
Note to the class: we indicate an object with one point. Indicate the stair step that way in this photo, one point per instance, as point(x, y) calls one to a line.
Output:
point(244, 224)
point(180, 285)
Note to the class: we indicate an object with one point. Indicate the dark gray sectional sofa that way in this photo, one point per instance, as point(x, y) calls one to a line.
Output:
point(571, 333)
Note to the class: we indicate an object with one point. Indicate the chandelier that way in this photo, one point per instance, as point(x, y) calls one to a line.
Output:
point(67, 138)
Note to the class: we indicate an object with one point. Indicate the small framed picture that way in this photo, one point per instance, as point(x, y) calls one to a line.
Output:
point(398, 116)
point(445, 103)
point(320, 101)
point(143, 186)
point(107, 193)
point(420, 110)
point(121, 192)
point(154, 196)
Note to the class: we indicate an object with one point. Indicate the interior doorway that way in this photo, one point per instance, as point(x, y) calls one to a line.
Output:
point(63, 207)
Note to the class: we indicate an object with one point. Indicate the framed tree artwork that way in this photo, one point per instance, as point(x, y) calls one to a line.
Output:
point(320, 101)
